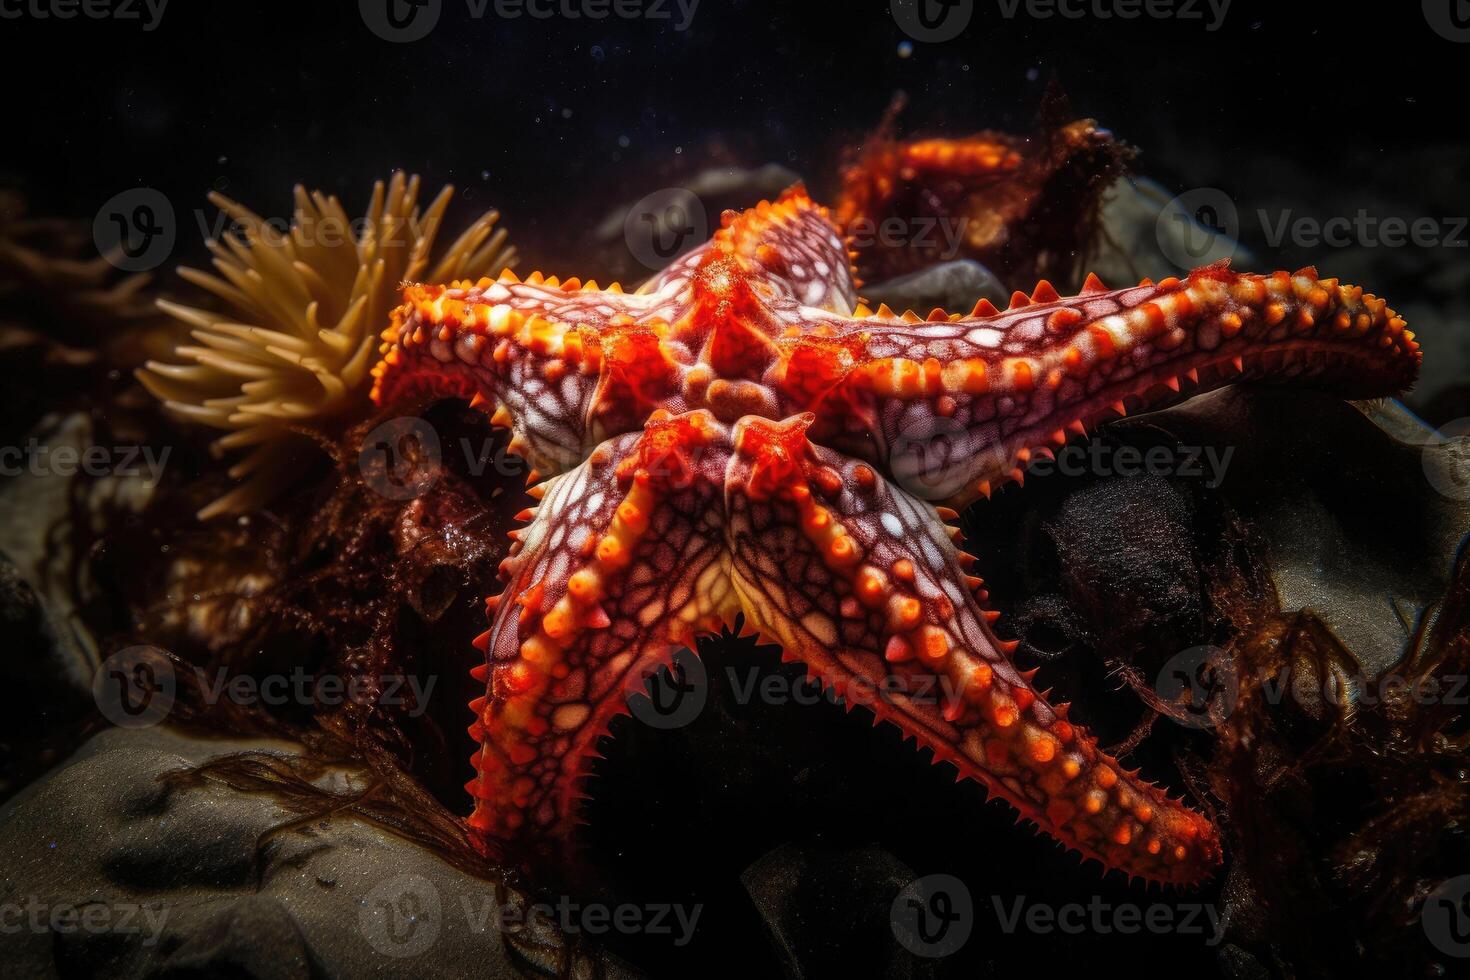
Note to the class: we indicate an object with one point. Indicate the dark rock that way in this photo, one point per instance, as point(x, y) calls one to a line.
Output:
point(192, 883)
point(1359, 512)
point(826, 910)
point(1127, 558)
point(43, 665)
point(709, 193)
point(254, 937)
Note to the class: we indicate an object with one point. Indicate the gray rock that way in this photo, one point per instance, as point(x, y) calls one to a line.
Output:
point(111, 873)
point(1144, 237)
point(956, 286)
point(41, 655)
point(1363, 509)
point(36, 513)
point(709, 193)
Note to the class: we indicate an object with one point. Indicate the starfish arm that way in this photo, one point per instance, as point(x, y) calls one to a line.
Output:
point(952, 406)
point(858, 579)
point(789, 246)
point(554, 361)
point(621, 564)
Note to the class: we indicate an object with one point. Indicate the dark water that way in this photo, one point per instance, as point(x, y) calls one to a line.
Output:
point(552, 118)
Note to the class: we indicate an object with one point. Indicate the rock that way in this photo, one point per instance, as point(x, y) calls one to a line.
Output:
point(826, 908)
point(36, 511)
point(47, 672)
point(116, 874)
point(1361, 513)
point(956, 286)
point(41, 656)
point(1127, 556)
point(1146, 234)
point(638, 238)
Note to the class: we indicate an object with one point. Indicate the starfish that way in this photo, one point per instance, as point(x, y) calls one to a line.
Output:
point(743, 442)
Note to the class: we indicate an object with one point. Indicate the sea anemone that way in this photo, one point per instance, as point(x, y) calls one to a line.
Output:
point(303, 307)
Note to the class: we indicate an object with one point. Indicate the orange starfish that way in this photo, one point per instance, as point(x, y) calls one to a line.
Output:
point(743, 437)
